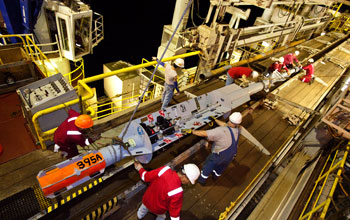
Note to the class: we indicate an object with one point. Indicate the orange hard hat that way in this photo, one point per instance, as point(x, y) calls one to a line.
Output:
point(84, 121)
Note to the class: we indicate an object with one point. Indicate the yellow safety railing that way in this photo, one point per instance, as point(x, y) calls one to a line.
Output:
point(159, 67)
point(36, 56)
point(79, 65)
point(113, 106)
point(322, 179)
point(86, 93)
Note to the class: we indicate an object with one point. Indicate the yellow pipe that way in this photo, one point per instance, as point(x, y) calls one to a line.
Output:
point(257, 57)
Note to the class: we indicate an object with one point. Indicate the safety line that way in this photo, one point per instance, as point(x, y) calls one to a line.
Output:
point(158, 62)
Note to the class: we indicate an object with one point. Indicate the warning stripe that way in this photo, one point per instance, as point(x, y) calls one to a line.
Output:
point(73, 195)
point(101, 210)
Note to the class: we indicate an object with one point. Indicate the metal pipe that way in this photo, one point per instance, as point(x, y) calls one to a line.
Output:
point(243, 62)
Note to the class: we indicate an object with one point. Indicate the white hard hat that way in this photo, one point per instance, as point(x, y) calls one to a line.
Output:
point(192, 172)
point(310, 60)
point(236, 118)
point(296, 53)
point(255, 74)
point(281, 59)
point(180, 62)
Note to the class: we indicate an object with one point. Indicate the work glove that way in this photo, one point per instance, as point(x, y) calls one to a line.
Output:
point(186, 131)
point(137, 165)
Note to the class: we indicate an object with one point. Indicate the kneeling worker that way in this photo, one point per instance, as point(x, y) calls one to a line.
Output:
point(70, 134)
point(240, 72)
point(165, 192)
point(224, 148)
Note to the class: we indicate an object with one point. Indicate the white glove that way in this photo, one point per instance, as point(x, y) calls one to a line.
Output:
point(56, 148)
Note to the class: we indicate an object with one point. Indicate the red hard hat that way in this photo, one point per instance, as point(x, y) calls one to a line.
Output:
point(84, 121)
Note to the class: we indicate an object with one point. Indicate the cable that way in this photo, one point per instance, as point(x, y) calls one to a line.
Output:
point(285, 24)
point(150, 79)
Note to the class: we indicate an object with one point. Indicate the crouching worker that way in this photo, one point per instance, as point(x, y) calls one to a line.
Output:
point(310, 70)
point(71, 133)
point(224, 148)
point(165, 192)
point(240, 72)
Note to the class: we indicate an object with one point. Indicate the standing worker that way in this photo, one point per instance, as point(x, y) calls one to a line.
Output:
point(290, 58)
point(224, 148)
point(165, 192)
point(240, 72)
point(170, 75)
point(69, 134)
point(309, 68)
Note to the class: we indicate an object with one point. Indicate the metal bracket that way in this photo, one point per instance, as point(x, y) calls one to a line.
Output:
point(292, 119)
point(308, 110)
point(336, 61)
point(308, 49)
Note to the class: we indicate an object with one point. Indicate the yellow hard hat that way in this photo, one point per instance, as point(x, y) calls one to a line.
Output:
point(84, 121)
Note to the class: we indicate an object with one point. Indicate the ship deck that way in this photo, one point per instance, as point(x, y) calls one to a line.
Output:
point(200, 202)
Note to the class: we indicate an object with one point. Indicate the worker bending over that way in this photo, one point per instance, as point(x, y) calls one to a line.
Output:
point(224, 148)
point(240, 72)
point(278, 66)
point(290, 59)
point(170, 75)
point(309, 75)
point(70, 134)
point(165, 192)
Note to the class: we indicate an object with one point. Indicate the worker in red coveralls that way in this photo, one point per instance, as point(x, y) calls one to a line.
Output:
point(290, 59)
point(278, 66)
point(309, 75)
point(240, 72)
point(70, 134)
point(165, 192)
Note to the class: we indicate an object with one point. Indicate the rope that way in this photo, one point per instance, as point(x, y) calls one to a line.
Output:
point(159, 60)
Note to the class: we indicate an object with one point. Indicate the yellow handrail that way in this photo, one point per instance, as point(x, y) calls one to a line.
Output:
point(82, 86)
point(27, 44)
point(81, 66)
point(325, 204)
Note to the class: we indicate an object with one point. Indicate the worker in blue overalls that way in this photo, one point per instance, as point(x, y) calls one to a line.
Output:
point(224, 147)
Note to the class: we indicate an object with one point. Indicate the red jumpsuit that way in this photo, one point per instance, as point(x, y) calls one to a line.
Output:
point(164, 192)
point(289, 59)
point(238, 72)
point(277, 66)
point(309, 73)
point(67, 136)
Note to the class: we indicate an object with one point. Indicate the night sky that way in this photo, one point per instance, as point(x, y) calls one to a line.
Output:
point(133, 30)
